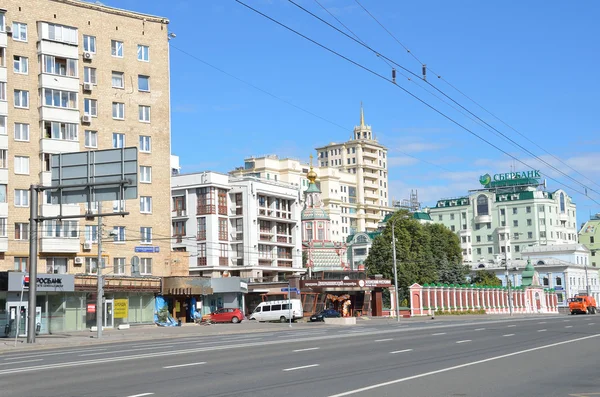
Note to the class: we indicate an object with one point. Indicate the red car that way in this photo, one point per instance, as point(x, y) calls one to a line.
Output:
point(227, 316)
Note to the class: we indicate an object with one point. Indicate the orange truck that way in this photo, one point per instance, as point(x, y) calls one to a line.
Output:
point(582, 304)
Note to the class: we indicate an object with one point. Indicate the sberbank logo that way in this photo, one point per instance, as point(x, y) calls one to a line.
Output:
point(485, 179)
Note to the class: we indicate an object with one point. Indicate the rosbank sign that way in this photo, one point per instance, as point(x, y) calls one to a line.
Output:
point(44, 282)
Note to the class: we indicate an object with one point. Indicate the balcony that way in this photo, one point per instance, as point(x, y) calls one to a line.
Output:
point(372, 194)
point(222, 209)
point(56, 146)
point(57, 49)
point(201, 262)
point(370, 154)
point(284, 264)
point(3, 141)
point(3, 70)
point(60, 114)
point(3, 176)
point(3, 107)
point(46, 178)
point(3, 244)
point(4, 209)
point(54, 210)
point(206, 209)
point(60, 245)
point(371, 175)
point(3, 40)
point(59, 82)
point(483, 219)
point(223, 261)
point(236, 211)
point(201, 236)
point(179, 213)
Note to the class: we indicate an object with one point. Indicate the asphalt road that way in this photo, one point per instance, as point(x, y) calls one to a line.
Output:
point(553, 356)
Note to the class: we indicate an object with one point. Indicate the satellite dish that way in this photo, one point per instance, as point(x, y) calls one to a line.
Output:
point(135, 264)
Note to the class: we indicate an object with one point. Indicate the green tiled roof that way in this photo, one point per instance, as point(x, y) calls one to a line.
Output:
point(422, 216)
point(456, 202)
point(526, 195)
point(371, 235)
point(325, 259)
point(314, 213)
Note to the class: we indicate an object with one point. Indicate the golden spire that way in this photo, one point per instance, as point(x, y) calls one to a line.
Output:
point(312, 175)
point(362, 115)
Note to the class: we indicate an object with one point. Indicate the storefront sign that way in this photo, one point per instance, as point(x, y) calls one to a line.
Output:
point(370, 283)
point(147, 249)
point(507, 176)
point(91, 308)
point(121, 308)
point(45, 282)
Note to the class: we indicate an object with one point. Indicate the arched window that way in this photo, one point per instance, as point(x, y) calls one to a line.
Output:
point(540, 263)
point(309, 232)
point(481, 266)
point(562, 203)
point(482, 205)
point(361, 239)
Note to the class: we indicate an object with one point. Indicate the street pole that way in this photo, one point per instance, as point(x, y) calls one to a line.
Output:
point(290, 301)
point(587, 284)
point(510, 308)
point(99, 281)
point(33, 248)
point(395, 274)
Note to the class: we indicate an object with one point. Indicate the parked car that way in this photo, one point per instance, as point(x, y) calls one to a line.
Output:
point(278, 311)
point(329, 313)
point(227, 315)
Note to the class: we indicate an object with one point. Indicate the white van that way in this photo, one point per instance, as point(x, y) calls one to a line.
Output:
point(278, 310)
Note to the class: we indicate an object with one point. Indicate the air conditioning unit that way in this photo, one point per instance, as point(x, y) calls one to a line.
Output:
point(88, 86)
point(87, 245)
point(86, 118)
point(88, 56)
point(79, 260)
point(8, 29)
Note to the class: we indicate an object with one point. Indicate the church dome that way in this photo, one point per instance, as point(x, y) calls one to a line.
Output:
point(314, 214)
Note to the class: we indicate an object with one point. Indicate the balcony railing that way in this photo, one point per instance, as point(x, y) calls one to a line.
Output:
point(222, 210)
point(223, 261)
point(205, 209)
point(284, 264)
point(180, 212)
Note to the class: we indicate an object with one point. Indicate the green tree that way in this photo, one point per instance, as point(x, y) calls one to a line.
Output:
point(447, 254)
point(485, 278)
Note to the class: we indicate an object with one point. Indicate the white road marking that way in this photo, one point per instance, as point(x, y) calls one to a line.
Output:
point(302, 367)
point(383, 340)
point(307, 349)
point(479, 329)
point(568, 326)
point(439, 371)
point(510, 326)
point(184, 365)
point(566, 321)
point(591, 323)
point(463, 341)
point(141, 395)
point(401, 351)
point(124, 351)
point(541, 330)
point(509, 335)
point(439, 333)
point(51, 354)
point(21, 362)
point(542, 322)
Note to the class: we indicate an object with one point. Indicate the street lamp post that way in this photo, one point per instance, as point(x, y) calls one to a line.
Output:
point(395, 274)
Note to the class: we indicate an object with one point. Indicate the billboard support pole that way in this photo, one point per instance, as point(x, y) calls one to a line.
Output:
point(33, 254)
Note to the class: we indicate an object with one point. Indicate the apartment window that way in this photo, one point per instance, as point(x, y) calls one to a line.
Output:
point(517, 249)
point(502, 211)
point(56, 265)
point(144, 113)
point(21, 132)
point(119, 233)
point(2, 22)
point(21, 264)
point(490, 250)
point(21, 99)
point(3, 125)
point(528, 209)
point(3, 190)
point(145, 144)
point(118, 140)
point(58, 229)
point(451, 217)
point(145, 235)
point(201, 228)
point(145, 174)
point(146, 266)
point(117, 80)
point(145, 204)
point(19, 31)
point(21, 231)
point(3, 222)
point(22, 165)
point(119, 265)
point(118, 205)
point(89, 75)
point(116, 48)
point(90, 107)
point(118, 110)
point(223, 251)
point(478, 239)
point(3, 57)
point(64, 34)
point(59, 66)
point(530, 235)
point(529, 222)
point(20, 64)
point(143, 53)
point(91, 139)
point(62, 131)
point(515, 223)
point(223, 229)
point(478, 250)
point(143, 83)
point(91, 265)
point(91, 233)
point(60, 99)
point(490, 237)
point(89, 44)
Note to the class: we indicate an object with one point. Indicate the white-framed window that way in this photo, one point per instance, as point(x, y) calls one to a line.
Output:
point(91, 264)
point(119, 233)
point(90, 107)
point(119, 265)
point(143, 83)
point(89, 44)
point(21, 198)
point(56, 265)
point(59, 65)
point(146, 266)
point(144, 113)
point(64, 34)
point(145, 143)
point(21, 132)
point(60, 99)
point(145, 235)
point(21, 264)
point(3, 223)
point(3, 125)
point(58, 229)
point(3, 162)
point(3, 57)
point(19, 31)
point(2, 22)
point(143, 53)
point(118, 205)
point(21, 231)
point(3, 191)
point(118, 140)
point(145, 204)
point(22, 165)
point(91, 234)
point(2, 91)
point(20, 64)
point(118, 110)
point(89, 75)
point(22, 99)
point(145, 174)
point(91, 139)
point(118, 80)
point(62, 131)
point(116, 48)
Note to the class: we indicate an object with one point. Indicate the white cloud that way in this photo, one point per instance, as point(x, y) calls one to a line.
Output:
point(399, 161)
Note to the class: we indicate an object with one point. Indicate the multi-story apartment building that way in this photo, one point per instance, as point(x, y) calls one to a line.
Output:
point(78, 76)
point(507, 215)
point(589, 235)
point(237, 226)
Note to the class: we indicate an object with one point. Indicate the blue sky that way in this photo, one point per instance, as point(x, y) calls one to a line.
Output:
point(533, 64)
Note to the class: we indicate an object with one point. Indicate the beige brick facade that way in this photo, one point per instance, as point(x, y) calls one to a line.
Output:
point(105, 24)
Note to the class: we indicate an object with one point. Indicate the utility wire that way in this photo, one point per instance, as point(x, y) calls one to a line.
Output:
point(403, 89)
point(447, 96)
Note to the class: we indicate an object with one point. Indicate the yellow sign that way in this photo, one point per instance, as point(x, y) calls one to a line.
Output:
point(121, 308)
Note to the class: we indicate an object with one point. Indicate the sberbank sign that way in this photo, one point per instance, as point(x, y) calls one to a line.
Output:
point(507, 176)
